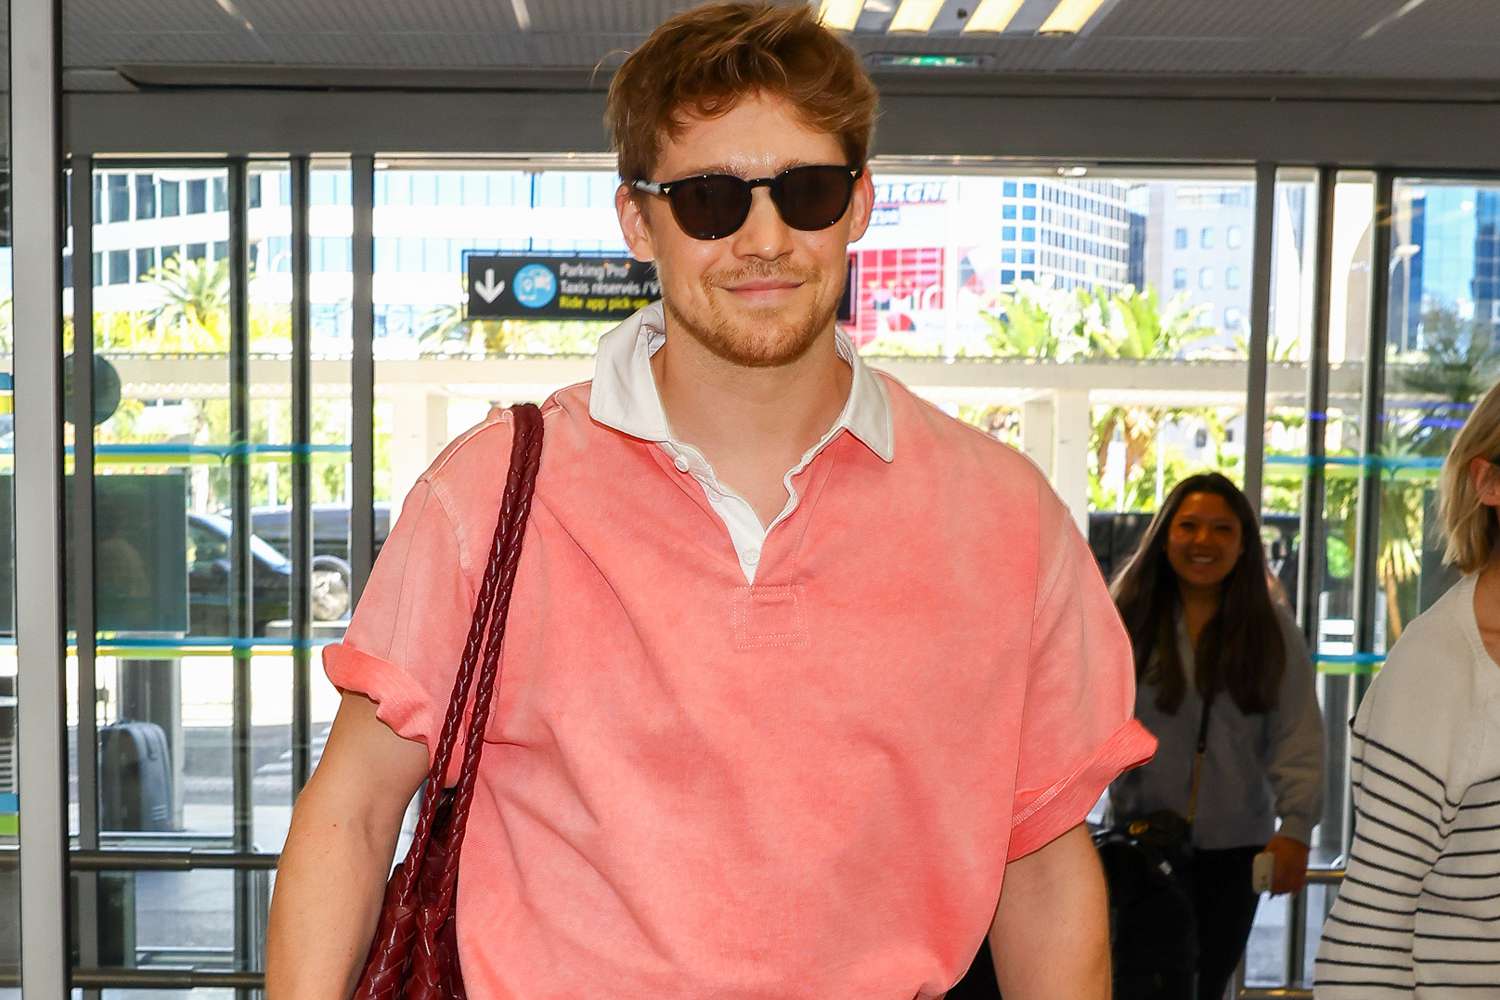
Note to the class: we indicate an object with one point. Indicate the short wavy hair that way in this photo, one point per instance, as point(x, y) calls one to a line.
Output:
point(702, 62)
point(1470, 528)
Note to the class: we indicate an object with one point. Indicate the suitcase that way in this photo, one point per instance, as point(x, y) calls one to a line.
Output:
point(135, 777)
point(1153, 929)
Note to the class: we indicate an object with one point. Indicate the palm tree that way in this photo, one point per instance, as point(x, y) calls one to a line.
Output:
point(1134, 325)
point(1131, 325)
point(194, 300)
point(1023, 327)
point(1457, 365)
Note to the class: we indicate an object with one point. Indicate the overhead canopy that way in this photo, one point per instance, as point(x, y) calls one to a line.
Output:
point(106, 41)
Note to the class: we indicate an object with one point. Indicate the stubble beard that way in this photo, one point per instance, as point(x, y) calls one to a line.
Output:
point(754, 338)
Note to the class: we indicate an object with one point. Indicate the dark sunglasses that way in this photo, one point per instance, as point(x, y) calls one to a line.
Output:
point(712, 206)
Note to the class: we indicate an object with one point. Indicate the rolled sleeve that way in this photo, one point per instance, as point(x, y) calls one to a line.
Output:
point(406, 639)
point(1077, 729)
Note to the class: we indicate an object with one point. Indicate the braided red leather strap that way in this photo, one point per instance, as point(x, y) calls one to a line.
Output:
point(414, 954)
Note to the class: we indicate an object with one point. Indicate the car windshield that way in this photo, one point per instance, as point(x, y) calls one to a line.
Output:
point(259, 548)
point(264, 550)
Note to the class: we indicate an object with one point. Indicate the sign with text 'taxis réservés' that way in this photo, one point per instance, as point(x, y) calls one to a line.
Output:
point(531, 286)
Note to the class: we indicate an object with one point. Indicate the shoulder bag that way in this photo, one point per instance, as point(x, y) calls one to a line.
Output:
point(414, 954)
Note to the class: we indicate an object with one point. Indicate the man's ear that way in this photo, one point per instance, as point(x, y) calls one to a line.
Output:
point(633, 224)
point(861, 205)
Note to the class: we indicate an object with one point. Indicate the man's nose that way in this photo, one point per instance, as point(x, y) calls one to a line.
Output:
point(765, 234)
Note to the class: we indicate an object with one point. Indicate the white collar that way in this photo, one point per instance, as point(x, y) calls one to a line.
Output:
point(624, 395)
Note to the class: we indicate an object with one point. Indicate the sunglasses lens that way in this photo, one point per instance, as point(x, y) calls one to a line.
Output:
point(708, 208)
point(814, 197)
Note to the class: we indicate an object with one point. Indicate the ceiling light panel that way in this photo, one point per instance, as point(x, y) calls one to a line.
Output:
point(841, 15)
point(1069, 16)
point(915, 16)
point(1262, 19)
point(992, 15)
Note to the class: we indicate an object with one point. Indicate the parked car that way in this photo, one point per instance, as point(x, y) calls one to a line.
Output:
point(331, 575)
point(209, 566)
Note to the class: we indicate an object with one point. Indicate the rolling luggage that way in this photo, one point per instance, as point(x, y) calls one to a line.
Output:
point(1153, 928)
point(135, 777)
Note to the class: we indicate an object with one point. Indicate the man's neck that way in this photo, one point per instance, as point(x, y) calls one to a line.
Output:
point(752, 424)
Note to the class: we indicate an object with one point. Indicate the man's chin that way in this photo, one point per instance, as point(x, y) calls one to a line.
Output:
point(757, 337)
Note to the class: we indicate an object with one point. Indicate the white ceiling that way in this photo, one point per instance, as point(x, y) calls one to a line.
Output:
point(1435, 40)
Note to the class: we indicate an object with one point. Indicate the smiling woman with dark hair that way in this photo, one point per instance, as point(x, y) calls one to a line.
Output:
point(1196, 600)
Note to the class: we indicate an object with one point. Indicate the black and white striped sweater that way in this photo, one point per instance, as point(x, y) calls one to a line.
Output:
point(1419, 912)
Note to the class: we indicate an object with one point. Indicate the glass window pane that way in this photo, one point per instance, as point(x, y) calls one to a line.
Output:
point(1442, 314)
point(119, 197)
point(197, 197)
point(171, 195)
point(1290, 430)
point(321, 189)
point(423, 188)
point(145, 196)
point(159, 514)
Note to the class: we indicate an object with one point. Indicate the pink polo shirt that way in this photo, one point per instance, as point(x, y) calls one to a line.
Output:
point(804, 787)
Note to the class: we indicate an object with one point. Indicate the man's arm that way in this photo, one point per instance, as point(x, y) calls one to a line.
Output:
point(338, 852)
point(1050, 938)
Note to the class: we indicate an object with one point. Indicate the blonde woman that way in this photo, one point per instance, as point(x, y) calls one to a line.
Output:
point(1419, 912)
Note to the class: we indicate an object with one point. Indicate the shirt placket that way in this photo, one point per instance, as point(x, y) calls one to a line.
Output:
point(753, 540)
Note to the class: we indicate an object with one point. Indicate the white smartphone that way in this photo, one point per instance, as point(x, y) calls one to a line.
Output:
point(1262, 872)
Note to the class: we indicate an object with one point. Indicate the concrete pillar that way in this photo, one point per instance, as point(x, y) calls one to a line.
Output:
point(419, 430)
point(1039, 432)
point(1070, 453)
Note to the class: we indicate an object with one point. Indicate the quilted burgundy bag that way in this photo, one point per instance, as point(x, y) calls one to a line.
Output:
point(414, 955)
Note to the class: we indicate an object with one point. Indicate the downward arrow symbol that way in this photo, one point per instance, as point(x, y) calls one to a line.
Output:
point(489, 289)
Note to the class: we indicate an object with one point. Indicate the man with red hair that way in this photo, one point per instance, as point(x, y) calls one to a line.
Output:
point(806, 689)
